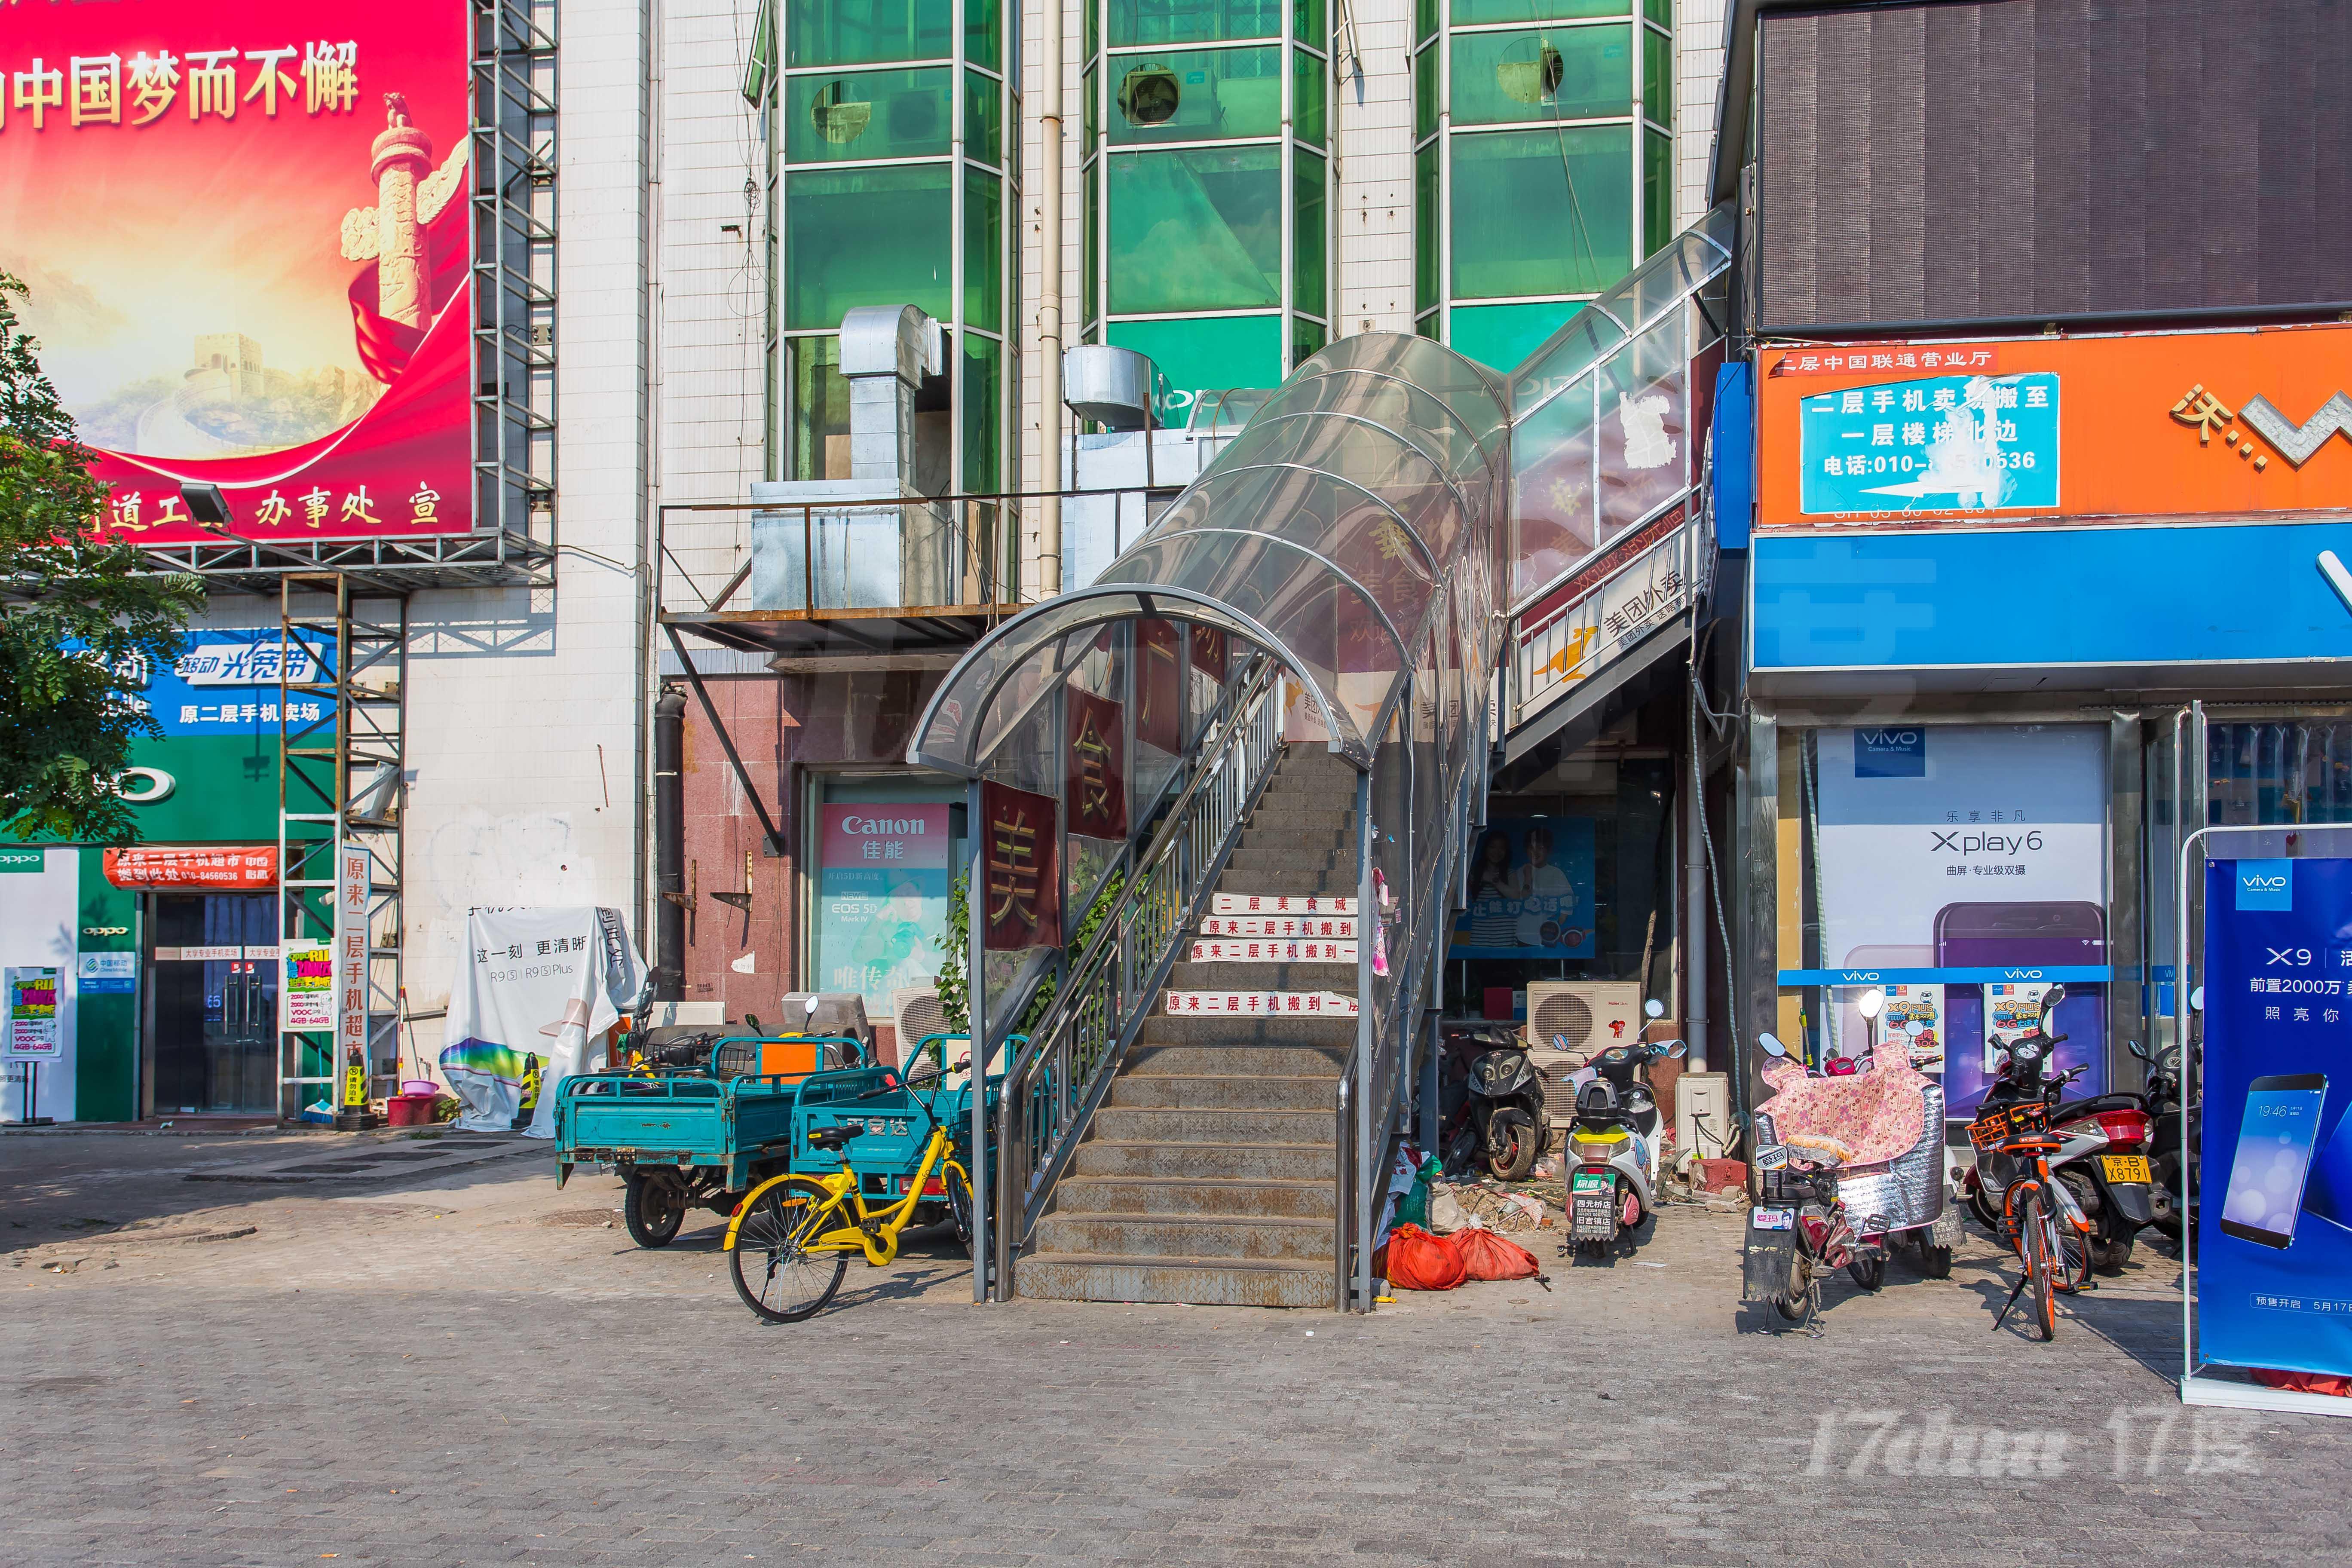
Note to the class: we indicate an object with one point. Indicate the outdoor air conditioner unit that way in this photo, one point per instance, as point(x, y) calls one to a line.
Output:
point(1593, 1014)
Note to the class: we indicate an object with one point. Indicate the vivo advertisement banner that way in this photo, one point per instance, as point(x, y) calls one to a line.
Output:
point(1966, 865)
point(2275, 1233)
point(881, 899)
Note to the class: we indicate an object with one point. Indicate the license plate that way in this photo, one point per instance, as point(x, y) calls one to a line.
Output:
point(2124, 1167)
point(1602, 1184)
point(1773, 1219)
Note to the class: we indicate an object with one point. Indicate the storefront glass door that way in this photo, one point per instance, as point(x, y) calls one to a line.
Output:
point(216, 992)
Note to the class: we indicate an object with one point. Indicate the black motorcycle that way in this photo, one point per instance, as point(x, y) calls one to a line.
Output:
point(2161, 1101)
point(1502, 1115)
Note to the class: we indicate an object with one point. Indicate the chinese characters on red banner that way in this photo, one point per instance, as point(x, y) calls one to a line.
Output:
point(242, 866)
point(1160, 685)
point(90, 90)
point(1020, 895)
point(1097, 784)
point(1209, 651)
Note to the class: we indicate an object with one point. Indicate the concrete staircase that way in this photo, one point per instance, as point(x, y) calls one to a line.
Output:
point(1207, 1175)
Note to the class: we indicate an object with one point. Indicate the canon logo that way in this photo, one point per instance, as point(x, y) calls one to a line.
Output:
point(908, 824)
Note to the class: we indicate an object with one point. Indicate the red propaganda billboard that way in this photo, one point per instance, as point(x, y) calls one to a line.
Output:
point(245, 228)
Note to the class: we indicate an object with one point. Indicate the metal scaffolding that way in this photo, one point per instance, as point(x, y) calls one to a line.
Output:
point(341, 749)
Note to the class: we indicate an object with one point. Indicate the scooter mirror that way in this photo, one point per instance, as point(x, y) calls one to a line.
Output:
point(1678, 1049)
point(810, 1008)
point(1559, 1042)
point(2197, 999)
point(1914, 1028)
point(1870, 1001)
point(1654, 1008)
point(1771, 1045)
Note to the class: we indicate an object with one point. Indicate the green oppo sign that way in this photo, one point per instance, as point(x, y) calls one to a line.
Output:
point(16, 858)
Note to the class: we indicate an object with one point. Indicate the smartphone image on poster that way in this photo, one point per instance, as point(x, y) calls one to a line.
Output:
point(2273, 1163)
point(1852, 1028)
point(2041, 934)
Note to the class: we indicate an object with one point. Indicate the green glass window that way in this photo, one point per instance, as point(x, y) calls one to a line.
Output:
point(1306, 22)
point(1424, 93)
point(1309, 242)
point(1426, 326)
point(1092, 245)
point(1196, 230)
point(1221, 351)
point(1424, 227)
point(819, 444)
point(1195, 95)
point(870, 114)
point(1557, 73)
point(981, 33)
point(828, 33)
point(1424, 19)
point(1090, 116)
point(1475, 13)
point(866, 237)
point(1193, 21)
point(1662, 12)
point(1306, 340)
point(1501, 337)
point(984, 117)
point(984, 250)
point(1657, 191)
point(1307, 106)
point(1542, 212)
point(1658, 77)
point(982, 400)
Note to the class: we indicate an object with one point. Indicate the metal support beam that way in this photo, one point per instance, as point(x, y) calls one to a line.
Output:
point(726, 742)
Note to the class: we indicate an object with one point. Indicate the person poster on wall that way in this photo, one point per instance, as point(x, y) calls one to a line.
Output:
point(1531, 891)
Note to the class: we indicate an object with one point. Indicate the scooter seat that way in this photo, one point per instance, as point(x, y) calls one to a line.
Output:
point(833, 1138)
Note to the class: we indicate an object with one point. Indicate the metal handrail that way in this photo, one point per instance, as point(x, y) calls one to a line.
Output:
point(1054, 1086)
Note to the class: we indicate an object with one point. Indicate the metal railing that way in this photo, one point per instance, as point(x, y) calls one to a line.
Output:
point(1651, 580)
point(1060, 1078)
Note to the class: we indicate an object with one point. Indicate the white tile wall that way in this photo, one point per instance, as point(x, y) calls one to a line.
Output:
point(523, 707)
point(1373, 245)
point(1698, 76)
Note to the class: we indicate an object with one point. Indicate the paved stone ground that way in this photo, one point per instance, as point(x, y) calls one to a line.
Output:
point(473, 1368)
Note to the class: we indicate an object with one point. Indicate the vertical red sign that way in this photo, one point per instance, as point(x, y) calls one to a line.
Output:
point(1159, 685)
point(1020, 896)
point(1096, 774)
point(1208, 652)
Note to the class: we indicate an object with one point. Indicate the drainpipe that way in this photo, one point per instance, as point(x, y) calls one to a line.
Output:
point(1696, 924)
point(669, 845)
point(1049, 304)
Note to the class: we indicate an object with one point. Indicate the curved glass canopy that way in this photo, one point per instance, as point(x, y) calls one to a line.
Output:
point(1354, 525)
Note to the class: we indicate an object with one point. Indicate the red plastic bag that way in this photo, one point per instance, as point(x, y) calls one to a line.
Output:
point(1486, 1256)
point(1419, 1261)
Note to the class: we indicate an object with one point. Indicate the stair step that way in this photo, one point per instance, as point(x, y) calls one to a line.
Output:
point(1208, 1161)
point(1165, 1029)
point(1237, 1061)
point(1202, 1281)
point(1305, 808)
point(1301, 835)
point(1279, 858)
point(1187, 1236)
point(1339, 976)
point(1204, 1091)
point(1195, 1196)
point(1122, 1124)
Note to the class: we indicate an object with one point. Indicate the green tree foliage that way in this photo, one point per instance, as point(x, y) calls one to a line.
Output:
point(82, 619)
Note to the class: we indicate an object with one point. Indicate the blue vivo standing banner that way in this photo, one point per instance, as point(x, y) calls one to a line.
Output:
point(2275, 1234)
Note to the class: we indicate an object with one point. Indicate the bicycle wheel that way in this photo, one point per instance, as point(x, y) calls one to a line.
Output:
point(774, 1272)
point(2038, 1242)
point(959, 1207)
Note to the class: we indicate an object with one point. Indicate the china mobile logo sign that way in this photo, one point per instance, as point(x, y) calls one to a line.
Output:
point(2265, 884)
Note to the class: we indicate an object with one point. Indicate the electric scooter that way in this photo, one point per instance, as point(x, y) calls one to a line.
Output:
point(1612, 1144)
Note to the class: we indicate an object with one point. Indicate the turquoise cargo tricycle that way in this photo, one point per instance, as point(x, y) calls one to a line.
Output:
point(698, 1131)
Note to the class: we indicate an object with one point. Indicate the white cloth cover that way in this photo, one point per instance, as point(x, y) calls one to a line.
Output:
point(545, 983)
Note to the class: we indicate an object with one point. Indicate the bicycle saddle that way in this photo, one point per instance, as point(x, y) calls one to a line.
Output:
point(834, 1137)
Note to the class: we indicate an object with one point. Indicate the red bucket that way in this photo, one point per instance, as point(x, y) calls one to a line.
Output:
point(409, 1110)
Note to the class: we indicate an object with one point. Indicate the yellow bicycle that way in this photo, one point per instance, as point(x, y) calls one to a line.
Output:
point(789, 1243)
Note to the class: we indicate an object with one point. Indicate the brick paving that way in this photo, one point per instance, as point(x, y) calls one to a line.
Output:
point(474, 1369)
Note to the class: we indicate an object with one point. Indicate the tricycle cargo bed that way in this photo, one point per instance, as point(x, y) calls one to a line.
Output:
point(677, 1121)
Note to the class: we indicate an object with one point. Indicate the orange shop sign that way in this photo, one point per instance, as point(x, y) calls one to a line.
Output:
point(218, 866)
point(2237, 422)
